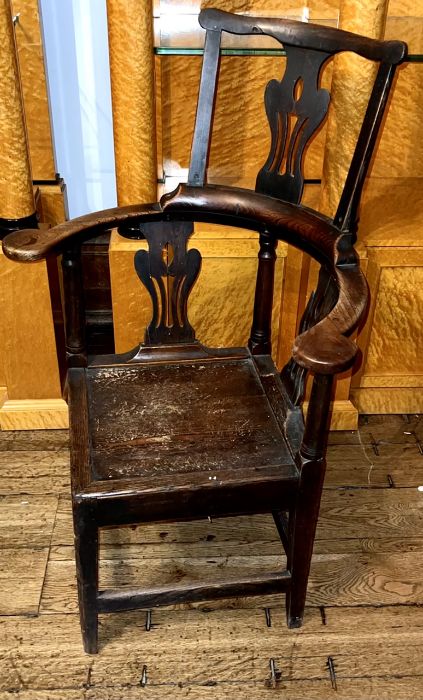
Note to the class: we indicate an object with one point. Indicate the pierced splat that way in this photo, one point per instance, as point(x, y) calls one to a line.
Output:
point(168, 272)
point(295, 107)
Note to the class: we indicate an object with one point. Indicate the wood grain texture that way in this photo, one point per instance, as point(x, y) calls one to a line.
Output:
point(243, 6)
point(389, 512)
point(239, 102)
point(378, 578)
point(401, 462)
point(368, 549)
point(351, 81)
point(180, 633)
point(184, 632)
point(53, 203)
point(33, 414)
point(240, 6)
point(407, 381)
point(21, 580)
point(227, 433)
point(23, 289)
point(405, 9)
point(130, 302)
point(371, 689)
point(229, 542)
point(16, 195)
point(323, 347)
point(390, 378)
point(27, 521)
point(401, 154)
point(402, 334)
point(168, 270)
point(392, 215)
point(132, 80)
point(325, 353)
point(344, 415)
point(396, 284)
point(388, 400)
point(34, 88)
point(54, 440)
point(223, 291)
point(390, 430)
point(34, 472)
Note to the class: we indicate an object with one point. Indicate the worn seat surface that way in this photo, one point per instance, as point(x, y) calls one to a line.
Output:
point(171, 419)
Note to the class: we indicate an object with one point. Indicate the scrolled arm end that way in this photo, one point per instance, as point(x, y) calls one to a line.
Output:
point(30, 245)
point(19, 245)
point(322, 349)
point(325, 348)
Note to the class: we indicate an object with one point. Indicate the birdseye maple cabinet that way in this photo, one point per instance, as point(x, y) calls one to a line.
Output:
point(160, 71)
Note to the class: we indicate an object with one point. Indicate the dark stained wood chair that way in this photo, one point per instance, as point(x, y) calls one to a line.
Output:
point(174, 430)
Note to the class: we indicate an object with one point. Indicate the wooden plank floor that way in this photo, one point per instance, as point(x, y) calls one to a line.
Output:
point(365, 601)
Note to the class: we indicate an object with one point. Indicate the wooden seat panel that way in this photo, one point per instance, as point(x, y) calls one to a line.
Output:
point(169, 419)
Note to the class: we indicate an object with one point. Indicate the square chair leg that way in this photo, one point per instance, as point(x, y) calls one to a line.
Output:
point(86, 556)
point(302, 529)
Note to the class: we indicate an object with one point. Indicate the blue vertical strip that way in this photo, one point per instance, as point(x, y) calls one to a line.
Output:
point(77, 63)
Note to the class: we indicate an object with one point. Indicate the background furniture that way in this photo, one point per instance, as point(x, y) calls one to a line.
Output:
point(28, 188)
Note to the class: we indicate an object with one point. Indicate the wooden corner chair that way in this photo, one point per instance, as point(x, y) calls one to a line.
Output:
point(174, 430)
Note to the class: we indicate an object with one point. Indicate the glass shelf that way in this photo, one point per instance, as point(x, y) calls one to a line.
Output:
point(179, 34)
point(187, 51)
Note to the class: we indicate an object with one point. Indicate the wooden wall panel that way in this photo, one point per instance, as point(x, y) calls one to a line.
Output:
point(223, 298)
point(34, 88)
point(28, 349)
point(221, 303)
point(247, 6)
point(351, 87)
point(53, 203)
point(16, 195)
point(400, 150)
point(241, 137)
point(392, 214)
point(27, 339)
point(130, 301)
point(132, 81)
point(405, 8)
point(390, 379)
point(27, 332)
point(397, 328)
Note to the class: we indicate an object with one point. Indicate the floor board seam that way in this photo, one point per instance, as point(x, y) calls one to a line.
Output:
point(48, 558)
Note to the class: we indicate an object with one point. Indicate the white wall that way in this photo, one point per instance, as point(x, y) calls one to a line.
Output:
point(77, 58)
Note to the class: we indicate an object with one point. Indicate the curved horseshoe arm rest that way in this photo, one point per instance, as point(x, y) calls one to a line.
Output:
point(325, 348)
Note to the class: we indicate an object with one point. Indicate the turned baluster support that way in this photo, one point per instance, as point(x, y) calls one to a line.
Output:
point(313, 445)
point(260, 342)
point(74, 310)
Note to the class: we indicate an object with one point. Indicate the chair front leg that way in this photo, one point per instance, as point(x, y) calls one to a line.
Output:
point(303, 517)
point(86, 556)
point(302, 529)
